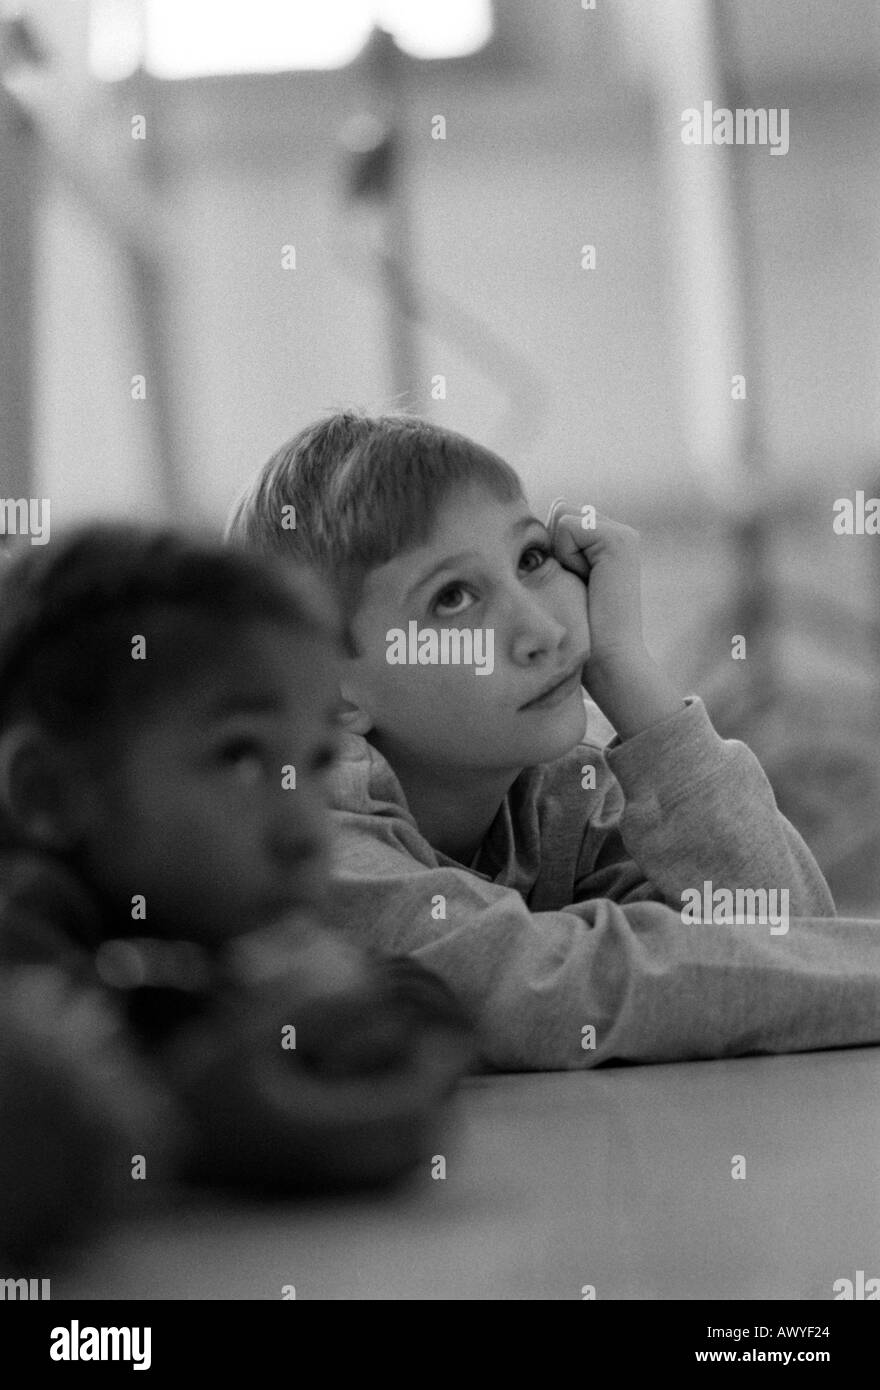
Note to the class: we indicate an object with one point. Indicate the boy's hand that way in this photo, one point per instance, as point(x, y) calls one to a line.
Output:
point(605, 554)
point(620, 673)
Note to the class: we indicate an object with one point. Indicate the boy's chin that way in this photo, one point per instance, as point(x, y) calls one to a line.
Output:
point(557, 734)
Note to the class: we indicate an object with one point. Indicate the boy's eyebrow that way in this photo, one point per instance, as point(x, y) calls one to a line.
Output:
point(452, 560)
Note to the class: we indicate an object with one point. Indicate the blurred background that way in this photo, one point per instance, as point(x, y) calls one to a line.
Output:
point(221, 218)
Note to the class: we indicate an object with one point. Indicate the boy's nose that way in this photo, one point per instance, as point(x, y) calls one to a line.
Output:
point(536, 633)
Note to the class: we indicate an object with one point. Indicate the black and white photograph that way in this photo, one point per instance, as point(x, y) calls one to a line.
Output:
point(439, 669)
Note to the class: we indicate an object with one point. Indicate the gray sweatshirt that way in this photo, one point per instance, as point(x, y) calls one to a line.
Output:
point(565, 935)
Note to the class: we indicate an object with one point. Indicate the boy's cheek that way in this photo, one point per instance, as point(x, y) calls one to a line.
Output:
point(574, 587)
point(582, 638)
point(408, 688)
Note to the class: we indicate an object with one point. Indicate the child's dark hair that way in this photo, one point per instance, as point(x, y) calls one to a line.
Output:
point(361, 490)
point(69, 613)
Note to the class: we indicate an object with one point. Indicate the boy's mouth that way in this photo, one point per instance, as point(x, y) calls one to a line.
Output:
point(558, 691)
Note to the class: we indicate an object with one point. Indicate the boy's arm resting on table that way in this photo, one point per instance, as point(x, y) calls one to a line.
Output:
point(685, 806)
point(652, 987)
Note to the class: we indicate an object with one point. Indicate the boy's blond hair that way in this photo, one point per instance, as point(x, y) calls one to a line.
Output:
point(359, 490)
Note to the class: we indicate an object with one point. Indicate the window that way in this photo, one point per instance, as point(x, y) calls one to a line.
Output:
point(198, 38)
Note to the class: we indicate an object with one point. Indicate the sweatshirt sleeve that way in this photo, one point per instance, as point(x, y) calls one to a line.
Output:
point(685, 806)
point(601, 981)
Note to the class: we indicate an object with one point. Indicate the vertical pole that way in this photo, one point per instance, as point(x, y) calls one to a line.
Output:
point(18, 158)
point(690, 47)
point(148, 275)
point(384, 64)
point(756, 607)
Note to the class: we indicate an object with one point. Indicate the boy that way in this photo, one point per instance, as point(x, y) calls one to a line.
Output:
point(543, 877)
point(168, 713)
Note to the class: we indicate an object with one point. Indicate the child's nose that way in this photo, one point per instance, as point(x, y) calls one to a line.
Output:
point(535, 632)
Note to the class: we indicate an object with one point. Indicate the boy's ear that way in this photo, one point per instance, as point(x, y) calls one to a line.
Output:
point(38, 788)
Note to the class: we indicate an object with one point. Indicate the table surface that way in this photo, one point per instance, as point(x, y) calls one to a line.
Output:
point(620, 1179)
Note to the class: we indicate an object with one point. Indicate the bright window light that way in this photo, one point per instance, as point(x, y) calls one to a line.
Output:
point(439, 29)
point(195, 38)
point(116, 38)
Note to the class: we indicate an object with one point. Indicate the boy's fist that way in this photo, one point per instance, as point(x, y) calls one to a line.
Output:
point(605, 554)
point(620, 673)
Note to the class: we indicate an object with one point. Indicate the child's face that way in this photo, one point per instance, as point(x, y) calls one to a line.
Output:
point(487, 566)
point(194, 814)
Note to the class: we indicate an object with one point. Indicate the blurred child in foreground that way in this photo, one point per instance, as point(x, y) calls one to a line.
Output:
point(167, 717)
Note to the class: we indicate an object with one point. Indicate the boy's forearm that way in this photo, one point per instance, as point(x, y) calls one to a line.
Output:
point(632, 691)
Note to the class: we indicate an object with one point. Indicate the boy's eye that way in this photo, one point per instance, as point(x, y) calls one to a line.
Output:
point(447, 599)
point(542, 551)
point(451, 597)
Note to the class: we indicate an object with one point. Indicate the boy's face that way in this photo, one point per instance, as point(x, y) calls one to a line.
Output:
point(487, 566)
point(194, 813)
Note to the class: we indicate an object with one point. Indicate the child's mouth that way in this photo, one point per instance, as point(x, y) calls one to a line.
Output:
point(558, 693)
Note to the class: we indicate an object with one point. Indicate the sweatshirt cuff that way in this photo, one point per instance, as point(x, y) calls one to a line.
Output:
point(671, 756)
